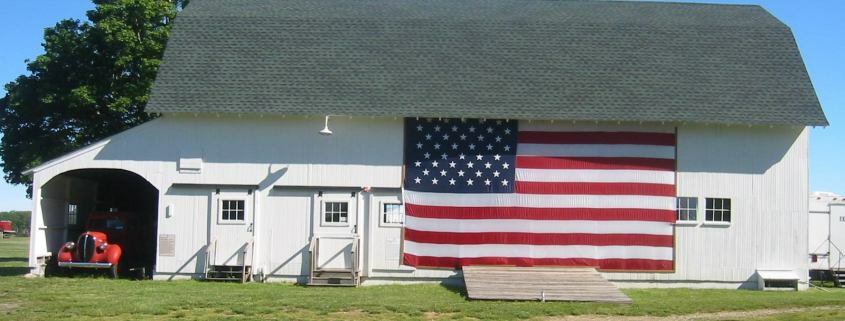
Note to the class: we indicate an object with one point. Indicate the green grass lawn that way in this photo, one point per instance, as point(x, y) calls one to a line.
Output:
point(86, 298)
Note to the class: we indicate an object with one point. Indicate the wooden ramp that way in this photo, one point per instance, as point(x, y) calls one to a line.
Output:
point(540, 283)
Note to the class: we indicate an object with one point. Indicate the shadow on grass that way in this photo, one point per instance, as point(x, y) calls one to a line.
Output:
point(13, 271)
point(455, 288)
point(12, 259)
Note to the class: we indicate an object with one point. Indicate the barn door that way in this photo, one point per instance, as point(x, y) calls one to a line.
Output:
point(232, 225)
point(335, 224)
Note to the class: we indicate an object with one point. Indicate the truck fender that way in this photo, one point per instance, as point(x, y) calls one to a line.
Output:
point(113, 253)
point(65, 254)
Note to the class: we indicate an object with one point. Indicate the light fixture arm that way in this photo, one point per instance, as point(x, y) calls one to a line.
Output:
point(326, 131)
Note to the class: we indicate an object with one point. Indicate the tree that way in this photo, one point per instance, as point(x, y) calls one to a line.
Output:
point(92, 81)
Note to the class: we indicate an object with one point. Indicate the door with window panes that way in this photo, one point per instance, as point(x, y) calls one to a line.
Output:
point(231, 227)
point(335, 223)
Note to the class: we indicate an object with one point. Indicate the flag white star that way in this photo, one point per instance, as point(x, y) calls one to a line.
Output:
point(451, 164)
point(497, 156)
point(434, 181)
point(427, 136)
point(436, 145)
point(471, 146)
point(470, 164)
point(427, 155)
point(443, 173)
point(425, 172)
point(489, 147)
point(505, 182)
point(507, 148)
point(463, 137)
point(444, 156)
point(478, 157)
point(487, 165)
point(451, 181)
point(461, 173)
point(480, 137)
point(445, 136)
point(417, 180)
point(434, 164)
point(490, 130)
point(478, 173)
point(471, 129)
point(496, 174)
point(454, 146)
point(437, 128)
point(454, 128)
point(498, 139)
point(469, 182)
point(505, 165)
point(417, 163)
point(419, 145)
point(507, 131)
point(461, 156)
point(486, 182)
point(419, 128)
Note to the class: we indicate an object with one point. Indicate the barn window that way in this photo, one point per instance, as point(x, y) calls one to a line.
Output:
point(336, 213)
point(232, 210)
point(718, 210)
point(392, 214)
point(72, 214)
point(687, 209)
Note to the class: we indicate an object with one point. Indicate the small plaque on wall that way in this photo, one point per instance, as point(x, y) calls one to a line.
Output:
point(167, 245)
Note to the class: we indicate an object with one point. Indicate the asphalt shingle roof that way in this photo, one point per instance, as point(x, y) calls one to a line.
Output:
point(516, 59)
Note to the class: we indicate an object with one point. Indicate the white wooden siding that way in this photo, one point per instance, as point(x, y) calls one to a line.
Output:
point(763, 170)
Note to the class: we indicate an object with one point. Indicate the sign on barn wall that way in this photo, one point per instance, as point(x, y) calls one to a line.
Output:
point(500, 192)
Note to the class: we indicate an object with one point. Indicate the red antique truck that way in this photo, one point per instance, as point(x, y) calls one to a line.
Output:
point(102, 245)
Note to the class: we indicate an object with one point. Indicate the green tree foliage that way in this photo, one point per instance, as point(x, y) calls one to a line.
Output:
point(20, 220)
point(92, 81)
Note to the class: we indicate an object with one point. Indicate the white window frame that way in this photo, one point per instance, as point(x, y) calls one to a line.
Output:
point(381, 214)
point(220, 219)
point(323, 221)
point(695, 211)
point(72, 209)
point(722, 210)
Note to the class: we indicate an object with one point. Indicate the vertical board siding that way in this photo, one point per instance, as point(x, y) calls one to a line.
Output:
point(763, 170)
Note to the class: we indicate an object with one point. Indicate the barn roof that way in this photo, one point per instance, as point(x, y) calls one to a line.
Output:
point(518, 59)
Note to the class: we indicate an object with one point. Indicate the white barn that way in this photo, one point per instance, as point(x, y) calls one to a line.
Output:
point(245, 88)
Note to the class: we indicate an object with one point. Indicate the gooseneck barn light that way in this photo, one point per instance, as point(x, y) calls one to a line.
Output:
point(326, 131)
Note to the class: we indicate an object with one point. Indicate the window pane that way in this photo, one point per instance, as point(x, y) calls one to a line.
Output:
point(727, 204)
point(692, 216)
point(727, 216)
point(693, 202)
point(709, 203)
point(241, 215)
point(708, 215)
point(717, 203)
point(328, 217)
point(343, 207)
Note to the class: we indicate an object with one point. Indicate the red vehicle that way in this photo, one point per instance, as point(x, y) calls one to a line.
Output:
point(6, 228)
point(102, 245)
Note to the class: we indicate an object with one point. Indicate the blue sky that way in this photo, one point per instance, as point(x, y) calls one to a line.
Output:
point(818, 26)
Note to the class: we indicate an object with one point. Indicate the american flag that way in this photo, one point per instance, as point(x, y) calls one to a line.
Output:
point(498, 192)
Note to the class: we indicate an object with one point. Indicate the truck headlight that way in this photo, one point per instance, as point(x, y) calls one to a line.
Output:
point(70, 245)
point(102, 247)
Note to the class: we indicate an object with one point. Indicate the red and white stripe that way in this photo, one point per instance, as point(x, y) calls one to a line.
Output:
point(602, 197)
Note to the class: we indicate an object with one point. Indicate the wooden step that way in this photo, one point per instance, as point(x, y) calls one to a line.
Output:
point(540, 283)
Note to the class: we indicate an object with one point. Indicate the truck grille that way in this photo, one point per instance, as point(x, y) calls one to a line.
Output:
point(85, 247)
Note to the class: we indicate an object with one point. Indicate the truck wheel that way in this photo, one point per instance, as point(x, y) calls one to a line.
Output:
point(113, 271)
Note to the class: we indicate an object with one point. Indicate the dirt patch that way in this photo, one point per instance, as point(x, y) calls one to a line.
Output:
point(725, 315)
point(437, 315)
point(9, 307)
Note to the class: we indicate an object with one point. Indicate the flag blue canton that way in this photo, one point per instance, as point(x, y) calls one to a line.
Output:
point(460, 155)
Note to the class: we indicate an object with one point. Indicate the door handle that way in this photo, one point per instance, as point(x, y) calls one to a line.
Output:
point(250, 227)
